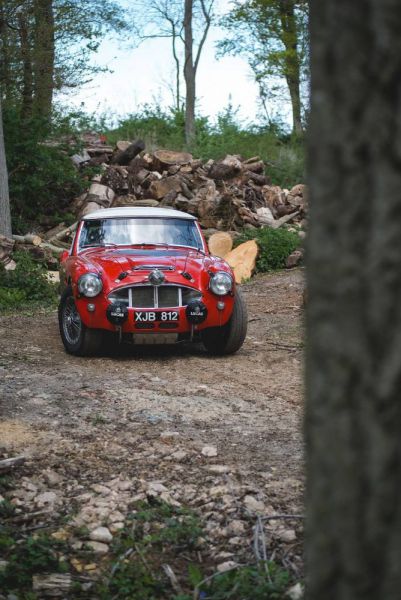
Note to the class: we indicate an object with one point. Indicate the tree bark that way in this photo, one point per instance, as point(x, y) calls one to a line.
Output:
point(44, 55)
point(292, 61)
point(5, 215)
point(353, 412)
point(189, 74)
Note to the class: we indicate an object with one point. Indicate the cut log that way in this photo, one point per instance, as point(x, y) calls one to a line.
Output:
point(90, 208)
point(132, 201)
point(64, 233)
point(53, 585)
point(220, 244)
point(159, 189)
point(221, 170)
point(251, 160)
point(256, 167)
point(123, 145)
point(101, 194)
point(265, 216)
point(124, 157)
point(242, 260)
point(256, 178)
point(30, 238)
point(8, 464)
point(163, 159)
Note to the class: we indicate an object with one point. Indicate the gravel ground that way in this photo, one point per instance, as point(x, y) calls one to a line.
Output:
point(147, 414)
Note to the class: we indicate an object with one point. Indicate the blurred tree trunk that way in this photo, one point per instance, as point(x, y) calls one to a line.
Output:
point(44, 54)
point(353, 414)
point(5, 216)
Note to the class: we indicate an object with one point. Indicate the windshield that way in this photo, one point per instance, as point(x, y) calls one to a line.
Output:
point(138, 231)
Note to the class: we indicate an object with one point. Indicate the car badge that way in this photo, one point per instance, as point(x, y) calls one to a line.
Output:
point(156, 277)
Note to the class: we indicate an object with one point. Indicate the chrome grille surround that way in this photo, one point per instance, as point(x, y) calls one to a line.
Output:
point(149, 296)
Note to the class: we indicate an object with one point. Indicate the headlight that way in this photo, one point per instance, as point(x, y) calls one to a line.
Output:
point(90, 285)
point(221, 283)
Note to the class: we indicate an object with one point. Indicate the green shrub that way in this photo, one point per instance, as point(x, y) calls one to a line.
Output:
point(26, 285)
point(275, 245)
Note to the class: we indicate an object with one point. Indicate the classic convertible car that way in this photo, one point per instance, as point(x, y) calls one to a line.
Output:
point(146, 274)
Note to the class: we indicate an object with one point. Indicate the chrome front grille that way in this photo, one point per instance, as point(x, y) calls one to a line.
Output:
point(148, 296)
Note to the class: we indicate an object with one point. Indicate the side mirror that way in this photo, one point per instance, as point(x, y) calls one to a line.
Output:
point(64, 255)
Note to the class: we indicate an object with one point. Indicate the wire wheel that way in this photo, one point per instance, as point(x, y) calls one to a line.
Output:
point(72, 324)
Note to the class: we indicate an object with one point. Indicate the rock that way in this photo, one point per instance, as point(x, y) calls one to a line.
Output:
point(156, 487)
point(101, 489)
point(47, 498)
point(287, 536)
point(179, 455)
point(236, 527)
point(165, 435)
point(209, 451)
point(218, 469)
point(115, 527)
point(254, 505)
point(295, 592)
point(294, 259)
point(98, 547)
point(101, 534)
point(227, 566)
point(51, 477)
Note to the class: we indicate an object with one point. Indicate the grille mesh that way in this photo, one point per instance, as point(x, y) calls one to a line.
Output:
point(168, 296)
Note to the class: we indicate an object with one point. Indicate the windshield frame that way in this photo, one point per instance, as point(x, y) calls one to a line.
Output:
point(78, 249)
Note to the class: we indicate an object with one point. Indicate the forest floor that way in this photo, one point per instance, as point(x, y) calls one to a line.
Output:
point(221, 436)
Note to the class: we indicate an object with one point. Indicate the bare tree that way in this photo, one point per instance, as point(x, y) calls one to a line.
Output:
point(192, 57)
point(353, 412)
point(187, 24)
point(5, 215)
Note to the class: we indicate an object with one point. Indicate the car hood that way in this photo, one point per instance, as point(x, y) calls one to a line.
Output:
point(110, 263)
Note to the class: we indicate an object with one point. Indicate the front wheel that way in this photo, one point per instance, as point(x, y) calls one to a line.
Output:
point(77, 338)
point(228, 338)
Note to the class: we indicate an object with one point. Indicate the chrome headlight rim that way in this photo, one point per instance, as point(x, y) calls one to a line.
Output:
point(84, 287)
point(217, 279)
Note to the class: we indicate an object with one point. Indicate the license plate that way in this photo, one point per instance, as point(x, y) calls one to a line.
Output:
point(164, 316)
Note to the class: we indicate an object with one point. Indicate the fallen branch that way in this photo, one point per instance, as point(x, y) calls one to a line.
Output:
point(9, 463)
point(64, 233)
point(283, 220)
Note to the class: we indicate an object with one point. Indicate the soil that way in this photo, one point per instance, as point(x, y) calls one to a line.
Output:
point(128, 412)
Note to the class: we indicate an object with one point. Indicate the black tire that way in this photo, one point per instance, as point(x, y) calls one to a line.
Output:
point(230, 337)
point(77, 338)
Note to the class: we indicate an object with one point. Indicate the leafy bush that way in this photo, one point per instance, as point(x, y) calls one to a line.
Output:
point(32, 556)
point(27, 284)
point(42, 177)
point(275, 245)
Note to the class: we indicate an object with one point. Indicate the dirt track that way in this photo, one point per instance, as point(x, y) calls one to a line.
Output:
point(100, 417)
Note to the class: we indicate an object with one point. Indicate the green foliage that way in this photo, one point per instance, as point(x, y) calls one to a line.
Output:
point(42, 178)
point(263, 582)
point(153, 533)
point(275, 245)
point(283, 154)
point(27, 284)
point(33, 555)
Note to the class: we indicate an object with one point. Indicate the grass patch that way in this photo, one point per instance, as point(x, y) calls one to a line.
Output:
point(275, 245)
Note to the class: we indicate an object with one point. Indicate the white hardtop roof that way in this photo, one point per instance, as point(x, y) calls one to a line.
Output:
point(127, 212)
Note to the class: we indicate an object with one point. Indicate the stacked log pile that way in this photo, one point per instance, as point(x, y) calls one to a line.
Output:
point(227, 195)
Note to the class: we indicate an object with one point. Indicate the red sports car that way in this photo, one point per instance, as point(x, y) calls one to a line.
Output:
point(146, 274)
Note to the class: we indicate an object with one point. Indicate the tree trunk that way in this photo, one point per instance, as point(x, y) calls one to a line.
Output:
point(6, 78)
point(189, 75)
point(292, 60)
point(27, 82)
point(177, 68)
point(5, 215)
point(44, 57)
point(353, 412)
